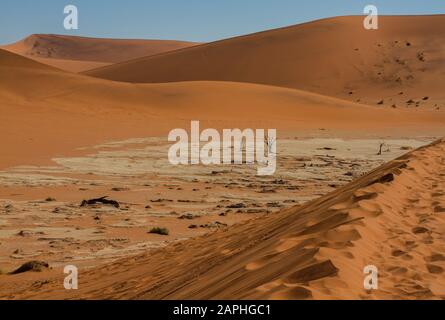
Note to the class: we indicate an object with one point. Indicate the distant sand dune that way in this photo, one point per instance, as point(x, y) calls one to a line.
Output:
point(46, 112)
point(403, 60)
point(78, 54)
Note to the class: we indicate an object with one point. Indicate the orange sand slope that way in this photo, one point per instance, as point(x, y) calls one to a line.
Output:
point(392, 218)
point(403, 60)
point(78, 54)
point(48, 113)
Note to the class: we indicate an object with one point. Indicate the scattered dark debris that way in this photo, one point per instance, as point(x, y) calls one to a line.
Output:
point(274, 205)
point(120, 189)
point(254, 211)
point(214, 225)
point(236, 206)
point(327, 149)
point(9, 208)
point(49, 199)
point(160, 231)
point(161, 200)
point(220, 172)
point(39, 284)
point(265, 190)
point(34, 266)
point(188, 216)
point(102, 200)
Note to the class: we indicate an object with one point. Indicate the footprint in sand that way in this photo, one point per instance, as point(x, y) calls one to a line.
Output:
point(434, 269)
point(314, 272)
point(297, 293)
point(436, 257)
point(420, 230)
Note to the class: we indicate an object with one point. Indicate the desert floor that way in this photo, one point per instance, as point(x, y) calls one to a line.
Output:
point(391, 218)
point(42, 217)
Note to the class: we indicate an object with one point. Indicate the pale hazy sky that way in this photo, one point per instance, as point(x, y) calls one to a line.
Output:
point(194, 20)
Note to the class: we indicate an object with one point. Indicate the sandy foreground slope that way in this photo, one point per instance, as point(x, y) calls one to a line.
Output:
point(392, 218)
point(47, 113)
point(78, 54)
point(400, 65)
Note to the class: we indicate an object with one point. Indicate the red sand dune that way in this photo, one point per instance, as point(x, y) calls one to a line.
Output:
point(47, 113)
point(335, 57)
point(80, 54)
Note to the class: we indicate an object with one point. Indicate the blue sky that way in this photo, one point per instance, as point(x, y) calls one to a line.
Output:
point(194, 20)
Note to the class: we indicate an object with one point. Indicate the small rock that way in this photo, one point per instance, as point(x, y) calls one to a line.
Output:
point(120, 189)
point(236, 206)
point(215, 224)
point(34, 266)
point(188, 216)
point(25, 233)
